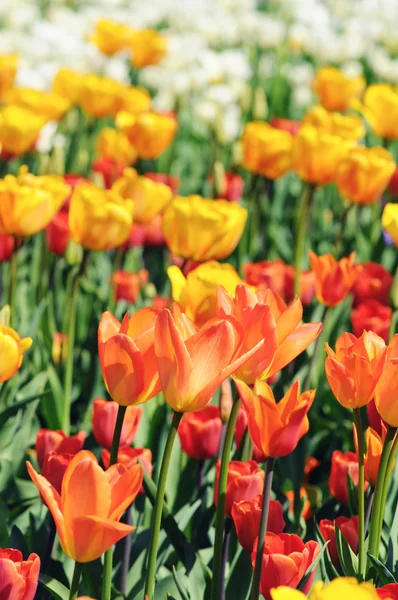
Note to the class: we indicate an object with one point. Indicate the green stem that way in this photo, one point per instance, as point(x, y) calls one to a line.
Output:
point(378, 508)
point(12, 287)
point(108, 560)
point(247, 446)
point(157, 510)
point(361, 495)
point(117, 264)
point(74, 588)
point(255, 594)
point(313, 361)
point(389, 470)
point(339, 237)
point(71, 344)
point(220, 514)
point(305, 203)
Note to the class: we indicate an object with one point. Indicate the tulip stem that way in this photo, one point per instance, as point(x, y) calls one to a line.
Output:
point(216, 591)
point(12, 287)
point(361, 496)
point(305, 203)
point(339, 237)
point(158, 508)
point(390, 466)
point(117, 264)
point(225, 548)
point(378, 508)
point(263, 529)
point(108, 559)
point(74, 588)
point(68, 381)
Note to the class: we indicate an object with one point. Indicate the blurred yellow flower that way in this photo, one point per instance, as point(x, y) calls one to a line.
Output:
point(266, 150)
point(202, 229)
point(389, 221)
point(148, 47)
point(349, 127)
point(19, 129)
point(380, 109)
point(364, 173)
point(197, 293)
point(12, 349)
point(135, 100)
point(115, 144)
point(99, 219)
point(100, 96)
point(8, 70)
point(316, 154)
point(149, 198)
point(111, 37)
point(68, 84)
point(49, 105)
point(336, 90)
point(151, 133)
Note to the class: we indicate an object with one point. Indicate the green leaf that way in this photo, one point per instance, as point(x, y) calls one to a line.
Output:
point(328, 569)
point(383, 573)
point(311, 568)
point(180, 586)
point(52, 406)
point(57, 589)
point(348, 560)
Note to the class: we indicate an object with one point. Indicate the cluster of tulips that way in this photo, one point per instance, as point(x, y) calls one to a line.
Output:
point(230, 353)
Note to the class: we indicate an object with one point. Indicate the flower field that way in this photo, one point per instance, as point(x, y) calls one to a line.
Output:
point(198, 300)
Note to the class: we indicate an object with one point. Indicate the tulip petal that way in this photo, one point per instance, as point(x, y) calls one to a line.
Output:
point(124, 485)
point(293, 345)
point(123, 369)
point(93, 535)
point(12, 584)
point(289, 319)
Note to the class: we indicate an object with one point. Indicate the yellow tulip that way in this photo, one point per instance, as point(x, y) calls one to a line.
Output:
point(68, 84)
point(197, 292)
point(343, 588)
point(316, 154)
point(12, 349)
point(115, 144)
point(8, 70)
point(49, 105)
point(380, 109)
point(149, 198)
point(19, 129)
point(100, 96)
point(389, 221)
point(135, 100)
point(111, 37)
point(148, 47)
point(202, 229)
point(151, 133)
point(266, 150)
point(348, 127)
point(335, 90)
point(99, 219)
point(364, 173)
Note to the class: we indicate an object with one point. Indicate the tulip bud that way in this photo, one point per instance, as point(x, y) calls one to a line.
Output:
point(74, 253)
point(19, 578)
point(226, 400)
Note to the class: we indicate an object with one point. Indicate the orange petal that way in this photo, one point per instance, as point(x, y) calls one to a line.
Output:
point(293, 345)
point(124, 484)
point(92, 536)
point(123, 368)
point(108, 327)
point(289, 319)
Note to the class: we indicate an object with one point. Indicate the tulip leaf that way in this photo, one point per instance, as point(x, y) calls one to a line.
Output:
point(328, 569)
point(52, 406)
point(56, 589)
point(383, 573)
point(180, 586)
point(311, 568)
point(348, 560)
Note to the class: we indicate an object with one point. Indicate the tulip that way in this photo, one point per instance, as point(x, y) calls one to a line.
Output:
point(129, 457)
point(12, 349)
point(374, 447)
point(150, 133)
point(271, 325)
point(349, 530)
point(306, 508)
point(354, 369)
point(317, 153)
point(364, 173)
point(148, 47)
point(149, 198)
point(380, 109)
point(8, 70)
point(48, 441)
point(111, 37)
point(47, 105)
point(88, 527)
point(342, 587)
point(200, 433)
point(128, 285)
point(58, 234)
point(99, 219)
point(348, 127)
point(372, 316)
point(197, 292)
point(19, 129)
point(240, 429)
point(306, 285)
point(232, 187)
point(285, 560)
point(245, 482)
point(246, 515)
point(68, 84)
point(267, 273)
point(335, 89)
point(59, 349)
point(389, 221)
point(7, 243)
point(108, 169)
point(172, 181)
point(389, 591)
point(220, 223)
point(266, 150)
point(135, 100)
point(374, 283)
point(104, 421)
point(18, 577)
point(127, 356)
point(393, 185)
point(385, 391)
point(276, 428)
point(333, 278)
point(54, 468)
point(374, 419)
point(344, 464)
point(288, 125)
point(100, 96)
point(115, 145)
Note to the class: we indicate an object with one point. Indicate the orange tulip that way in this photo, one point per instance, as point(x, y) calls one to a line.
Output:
point(128, 285)
point(91, 503)
point(104, 421)
point(335, 89)
point(270, 325)
point(148, 48)
point(18, 577)
point(129, 457)
point(246, 515)
point(127, 357)
point(374, 447)
point(149, 132)
point(387, 386)
point(333, 278)
point(354, 369)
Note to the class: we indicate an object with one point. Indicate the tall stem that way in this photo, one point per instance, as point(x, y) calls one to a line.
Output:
point(339, 237)
point(361, 495)
point(389, 470)
point(321, 336)
point(263, 529)
point(74, 588)
point(107, 579)
point(126, 554)
point(12, 287)
point(157, 509)
point(378, 509)
point(117, 263)
point(225, 548)
point(305, 202)
point(222, 486)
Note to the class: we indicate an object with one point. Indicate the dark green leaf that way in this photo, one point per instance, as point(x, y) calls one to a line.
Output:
point(348, 560)
point(57, 589)
point(383, 573)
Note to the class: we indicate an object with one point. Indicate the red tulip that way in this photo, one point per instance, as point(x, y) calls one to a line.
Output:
point(171, 181)
point(48, 440)
point(7, 244)
point(129, 457)
point(388, 592)
point(58, 234)
point(104, 421)
point(200, 433)
point(374, 283)
point(240, 429)
point(18, 577)
point(128, 285)
point(371, 315)
point(247, 515)
point(349, 530)
point(54, 467)
point(245, 482)
point(343, 464)
point(374, 419)
point(109, 169)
